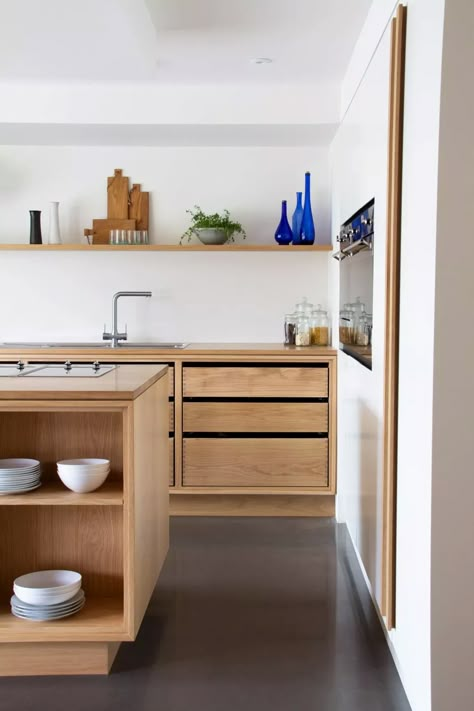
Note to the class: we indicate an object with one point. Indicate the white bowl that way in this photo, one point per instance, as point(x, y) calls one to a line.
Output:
point(47, 586)
point(87, 470)
point(84, 463)
point(82, 482)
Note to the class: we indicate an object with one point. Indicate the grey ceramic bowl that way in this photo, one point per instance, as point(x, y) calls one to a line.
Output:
point(212, 236)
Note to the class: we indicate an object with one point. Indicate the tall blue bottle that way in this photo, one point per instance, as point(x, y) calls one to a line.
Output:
point(283, 234)
point(307, 226)
point(297, 219)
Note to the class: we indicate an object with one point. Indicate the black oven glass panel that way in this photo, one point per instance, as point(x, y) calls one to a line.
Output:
point(356, 259)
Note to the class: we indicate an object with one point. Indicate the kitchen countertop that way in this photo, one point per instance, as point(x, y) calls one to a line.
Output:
point(125, 382)
point(192, 350)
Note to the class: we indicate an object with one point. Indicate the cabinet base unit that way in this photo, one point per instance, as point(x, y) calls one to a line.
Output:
point(251, 505)
point(57, 659)
point(116, 537)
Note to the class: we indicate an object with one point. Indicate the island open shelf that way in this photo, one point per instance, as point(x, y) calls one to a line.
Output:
point(116, 537)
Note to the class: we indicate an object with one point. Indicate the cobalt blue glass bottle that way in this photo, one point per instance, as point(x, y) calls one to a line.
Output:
point(307, 226)
point(297, 219)
point(283, 234)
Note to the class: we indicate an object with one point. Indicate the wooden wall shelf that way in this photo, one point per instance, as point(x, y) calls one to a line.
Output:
point(56, 494)
point(165, 248)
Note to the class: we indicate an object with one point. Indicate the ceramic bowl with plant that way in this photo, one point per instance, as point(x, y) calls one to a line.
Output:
point(213, 228)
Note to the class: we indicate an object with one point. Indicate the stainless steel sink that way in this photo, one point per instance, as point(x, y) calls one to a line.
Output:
point(92, 346)
point(169, 346)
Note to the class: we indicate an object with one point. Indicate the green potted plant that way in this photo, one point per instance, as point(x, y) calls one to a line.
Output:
point(212, 229)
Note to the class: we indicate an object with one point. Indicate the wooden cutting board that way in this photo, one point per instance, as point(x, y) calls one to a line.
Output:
point(117, 196)
point(101, 229)
point(138, 208)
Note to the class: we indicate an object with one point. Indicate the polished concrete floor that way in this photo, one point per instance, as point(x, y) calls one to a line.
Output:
point(250, 614)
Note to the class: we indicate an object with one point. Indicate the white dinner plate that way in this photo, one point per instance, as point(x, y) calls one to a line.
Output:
point(47, 618)
point(19, 491)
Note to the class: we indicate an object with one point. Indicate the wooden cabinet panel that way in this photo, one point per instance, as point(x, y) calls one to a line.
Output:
point(255, 417)
point(171, 416)
point(170, 381)
point(248, 462)
point(255, 381)
point(171, 461)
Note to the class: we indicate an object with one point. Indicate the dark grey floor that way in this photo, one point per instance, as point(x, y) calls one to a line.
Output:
point(250, 614)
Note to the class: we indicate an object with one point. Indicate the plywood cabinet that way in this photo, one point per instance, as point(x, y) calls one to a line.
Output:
point(256, 427)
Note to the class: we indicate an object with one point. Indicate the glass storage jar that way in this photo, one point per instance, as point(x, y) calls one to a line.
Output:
point(304, 307)
point(290, 329)
point(319, 327)
point(345, 325)
point(303, 331)
point(362, 333)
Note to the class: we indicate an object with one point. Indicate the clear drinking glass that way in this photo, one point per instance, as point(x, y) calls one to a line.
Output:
point(114, 236)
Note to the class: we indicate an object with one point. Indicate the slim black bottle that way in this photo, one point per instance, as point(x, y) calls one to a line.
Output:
point(35, 227)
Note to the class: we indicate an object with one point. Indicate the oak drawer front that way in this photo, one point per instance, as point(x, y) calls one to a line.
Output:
point(255, 381)
point(171, 461)
point(255, 417)
point(171, 416)
point(247, 462)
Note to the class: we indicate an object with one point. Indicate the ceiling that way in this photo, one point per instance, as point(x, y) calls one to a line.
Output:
point(179, 41)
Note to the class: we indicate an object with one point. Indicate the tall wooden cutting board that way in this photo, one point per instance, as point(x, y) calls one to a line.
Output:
point(117, 196)
point(138, 208)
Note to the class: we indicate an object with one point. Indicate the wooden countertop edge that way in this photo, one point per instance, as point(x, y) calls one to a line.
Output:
point(193, 350)
point(47, 393)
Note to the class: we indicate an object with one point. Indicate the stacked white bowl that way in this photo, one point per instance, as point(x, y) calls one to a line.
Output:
point(47, 595)
point(83, 475)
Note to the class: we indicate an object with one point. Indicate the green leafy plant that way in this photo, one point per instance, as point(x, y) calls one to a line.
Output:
point(199, 220)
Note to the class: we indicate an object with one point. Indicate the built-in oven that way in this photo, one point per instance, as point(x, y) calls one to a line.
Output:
point(356, 284)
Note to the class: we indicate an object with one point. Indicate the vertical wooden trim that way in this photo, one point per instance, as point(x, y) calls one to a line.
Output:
point(332, 430)
point(178, 425)
point(128, 517)
point(392, 312)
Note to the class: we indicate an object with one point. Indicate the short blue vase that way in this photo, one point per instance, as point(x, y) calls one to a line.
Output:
point(283, 234)
point(307, 225)
point(297, 219)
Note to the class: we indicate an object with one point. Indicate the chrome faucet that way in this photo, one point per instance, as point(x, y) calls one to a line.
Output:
point(114, 336)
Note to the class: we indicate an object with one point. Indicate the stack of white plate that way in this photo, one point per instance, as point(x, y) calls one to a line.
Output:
point(17, 476)
point(83, 475)
point(47, 595)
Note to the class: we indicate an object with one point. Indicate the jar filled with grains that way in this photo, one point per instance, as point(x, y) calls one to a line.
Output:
point(303, 331)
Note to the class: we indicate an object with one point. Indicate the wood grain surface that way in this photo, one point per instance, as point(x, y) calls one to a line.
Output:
point(255, 417)
point(255, 382)
point(117, 196)
point(255, 462)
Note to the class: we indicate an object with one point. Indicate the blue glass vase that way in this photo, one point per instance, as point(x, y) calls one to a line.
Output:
point(307, 226)
point(283, 234)
point(297, 219)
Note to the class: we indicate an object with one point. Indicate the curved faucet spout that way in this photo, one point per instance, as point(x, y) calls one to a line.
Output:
point(114, 336)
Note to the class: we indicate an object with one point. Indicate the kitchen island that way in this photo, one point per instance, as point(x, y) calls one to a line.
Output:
point(252, 426)
point(116, 537)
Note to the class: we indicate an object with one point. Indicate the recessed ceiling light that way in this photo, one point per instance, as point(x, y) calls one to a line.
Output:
point(262, 60)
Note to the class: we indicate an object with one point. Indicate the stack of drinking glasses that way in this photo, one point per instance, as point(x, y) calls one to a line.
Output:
point(128, 237)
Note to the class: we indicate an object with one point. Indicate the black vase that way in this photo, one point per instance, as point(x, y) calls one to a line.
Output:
point(35, 227)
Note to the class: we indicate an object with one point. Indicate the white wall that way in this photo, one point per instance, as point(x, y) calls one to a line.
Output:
point(452, 578)
point(359, 456)
point(222, 297)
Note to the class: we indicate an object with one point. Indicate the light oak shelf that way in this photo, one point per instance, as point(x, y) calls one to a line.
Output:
point(56, 494)
point(101, 619)
point(166, 248)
